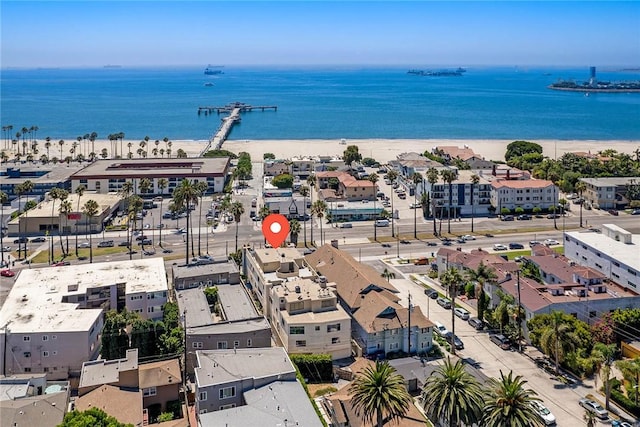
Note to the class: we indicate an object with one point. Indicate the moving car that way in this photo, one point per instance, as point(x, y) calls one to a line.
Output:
point(546, 415)
point(468, 237)
point(106, 244)
point(39, 239)
point(617, 423)
point(595, 407)
point(146, 242)
point(346, 225)
point(507, 218)
point(21, 240)
point(457, 342)
point(7, 273)
point(382, 223)
point(533, 243)
point(551, 242)
point(444, 302)
point(123, 244)
point(5, 249)
point(461, 313)
point(84, 245)
point(499, 247)
point(516, 246)
point(501, 341)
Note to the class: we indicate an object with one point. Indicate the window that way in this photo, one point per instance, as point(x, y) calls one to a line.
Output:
point(296, 330)
point(26, 338)
point(197, 345)
point(222, 345)
point(333, 328)
point(394, 346)
point(317, 328)
point(202, 395)
point(45, 338)
point(227, 392)
point(301, 343)
point(236, 344)
point(150, 391)
point(229, 406)
point(249, 342)
point(203, 411)
point(54, 337)
point(27, 369)
point(335, 340)
point(27, 354)
point(45, 354)
point(135, 297)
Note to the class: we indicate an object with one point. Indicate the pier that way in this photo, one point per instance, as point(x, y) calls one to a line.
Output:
point(234, 109)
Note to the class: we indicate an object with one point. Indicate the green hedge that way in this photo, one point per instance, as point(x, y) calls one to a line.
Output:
point(623, 400)
point(316, 368)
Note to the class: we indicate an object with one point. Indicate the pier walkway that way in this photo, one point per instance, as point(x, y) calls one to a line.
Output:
point(234, 109)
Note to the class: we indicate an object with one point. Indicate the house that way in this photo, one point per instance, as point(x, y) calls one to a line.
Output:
point(348, 188)
point(233, 323)
point(608, 192)
point(55, 315)
point(192, 276)
point(380, 325)
point(124, 404)
point(308, 319)
point(31, 400)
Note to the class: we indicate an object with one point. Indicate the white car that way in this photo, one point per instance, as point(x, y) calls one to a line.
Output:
point(500, 247)
point(461, 313)
point(468, 237)
point(551, 242)
point(546, 415)
point(84, 245)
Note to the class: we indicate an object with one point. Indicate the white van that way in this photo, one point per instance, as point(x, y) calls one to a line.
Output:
point(382, 223)
point(346, 225)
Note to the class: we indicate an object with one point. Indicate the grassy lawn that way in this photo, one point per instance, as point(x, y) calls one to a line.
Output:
point(43, 257)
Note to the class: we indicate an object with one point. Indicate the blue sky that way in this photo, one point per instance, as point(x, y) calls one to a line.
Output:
point(93, 33)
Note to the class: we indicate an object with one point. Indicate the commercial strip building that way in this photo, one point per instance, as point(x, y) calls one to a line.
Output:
point(615, 252)
point(608, 192)
point(108, 176)
point(53, 317)
point(43, 177)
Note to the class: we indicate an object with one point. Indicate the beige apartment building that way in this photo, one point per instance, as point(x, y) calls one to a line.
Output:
point(308, 319)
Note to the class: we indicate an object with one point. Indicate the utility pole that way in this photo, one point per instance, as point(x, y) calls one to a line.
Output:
point(409, 325)
point(453, 316)
point(184, 366)
point(6, 345)
point(518, 313)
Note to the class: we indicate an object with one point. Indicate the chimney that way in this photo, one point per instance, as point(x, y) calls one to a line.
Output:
point(508, 174)
point(493, 170)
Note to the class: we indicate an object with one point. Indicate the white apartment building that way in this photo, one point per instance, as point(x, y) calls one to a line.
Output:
point(615, 253)
point(462, 202)
point(308, 319)
point(52, 318)
point(526, 194)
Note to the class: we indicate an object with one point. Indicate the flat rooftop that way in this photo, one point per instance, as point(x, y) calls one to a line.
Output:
point(45, 208)
point(184, 271)
point(237, 327)
point(609, 181)
point(98, 372)
point(223, 366)
point(35, 301)
point(625, 253)
point(154, 168)
point(38, 173)
point(235, 302)
point(195, 303)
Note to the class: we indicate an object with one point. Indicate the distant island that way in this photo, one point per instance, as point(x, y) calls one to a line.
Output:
point(595, 85)
point(439, 73)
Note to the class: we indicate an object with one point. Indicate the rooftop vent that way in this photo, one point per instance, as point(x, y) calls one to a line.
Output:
point(297, 289)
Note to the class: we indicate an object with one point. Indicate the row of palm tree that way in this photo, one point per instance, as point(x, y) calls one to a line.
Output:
point(451, 396)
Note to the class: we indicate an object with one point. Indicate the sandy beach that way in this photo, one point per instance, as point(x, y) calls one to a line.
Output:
point(382, 150)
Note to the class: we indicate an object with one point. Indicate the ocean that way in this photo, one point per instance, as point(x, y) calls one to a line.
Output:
point(317, 103)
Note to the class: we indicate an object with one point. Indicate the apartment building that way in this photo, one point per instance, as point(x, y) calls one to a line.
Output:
point(525, 194)
point(608, 192)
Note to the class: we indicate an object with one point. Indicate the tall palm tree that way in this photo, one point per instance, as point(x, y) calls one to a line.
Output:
point(26, 188)
point(4, 198)
point(392, 176)
point(450, 280)
point(61, 143)
point(311, 182)
point(481, 275)
point(55, 195)
point(449, 176)
point(416, 178)
point(19, 191)
point(304, 192)
point(452, 395)
point(475, 179)
point(432, 177)
point(47, 144)
point(318, 209)
point(509, 404)
point(162, 184)
point(64, 210)
point(202, 188)
point(80, 191)
point(125, 192)
point(373, 178)
point(92, 137)
point(144, 186)
point(379, 393)
point(294, 230)
point(185, 195)
point(605, 355)
point(134, 205)
point(558, 338)
point(237, 209)
point(580, 187)
point(90, 210)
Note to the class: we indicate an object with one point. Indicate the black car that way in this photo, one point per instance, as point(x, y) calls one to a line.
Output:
point(507, 218)
point(123, 244)
point(456, 341)
point(516, 246)
point(432, 244)
point(524, 217)
point(431, 293)
point(21, 240)
point(39, 239)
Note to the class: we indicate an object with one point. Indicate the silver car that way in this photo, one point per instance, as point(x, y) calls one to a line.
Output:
point(594, 407)
point(546, 415)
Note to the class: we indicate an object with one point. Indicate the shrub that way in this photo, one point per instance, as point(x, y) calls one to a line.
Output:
point(316, 368)
point(165, 416)
point(325, 390)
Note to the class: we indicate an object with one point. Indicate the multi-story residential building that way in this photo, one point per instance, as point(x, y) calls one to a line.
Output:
point(613, 252)
point(525, 194)
point(461, 196)
point(609, 192)
point(31, 400)
point(54, 316)
point(108, 176)
point(193, 276)
point(349, 188)
point(307, 318)
point(380, 324)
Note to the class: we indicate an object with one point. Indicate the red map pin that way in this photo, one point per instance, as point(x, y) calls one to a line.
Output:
point(275, 229)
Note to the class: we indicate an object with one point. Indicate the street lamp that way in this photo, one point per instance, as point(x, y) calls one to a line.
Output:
point(519, 317)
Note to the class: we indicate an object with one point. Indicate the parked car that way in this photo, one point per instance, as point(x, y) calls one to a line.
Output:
point(444, 302)
point(501, 341)
point(21, 240)
point(476, 323)
point(468, 237)
point(546, 415)
point(516, 246)
point(440, 329)
point(106, 244)
point(454, 340)
point(84, 245)
point(595, 407)
point(7, 273)
point(421, 261)
point(431, 293)
point(552, 216)
point(635, 212)
point(499, 247)
point(507, 218)
point(61, 263)
point(613, 212)
point(40, 239)
point(617, 423)
point(346, 225)
point(524, 217)
point(5, 249)
point(461, 313)
point(461, 240)
point(551, 242)
point(415, 205)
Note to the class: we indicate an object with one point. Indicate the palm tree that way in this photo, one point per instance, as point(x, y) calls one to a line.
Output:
point(605, 355)
point(311, 182)
point(416, 178)
point(162, 184)
point(202, 188)
point(481, 275)
point(237, 209)
point(475, 179)
point(379, 393)
point(90, 210)
point(580, 187)
point(304, 192)
point(47, 144)
point(388, 275)
point(80, 191)
point(55, 195)
point(318, 209)
point(373, 178)
point(449, 176)
point(185, 195)
point(450, 280)
point(590, 418)
point(392, 176)
point(294, 230)
point(432, 177)
point(25, 188)
point(4, 198)
point(452, 395)
point(558, 338)
point(61, 143)
point(509, 404)
point(134, 205)
point(64, 210)
point(92, 137)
